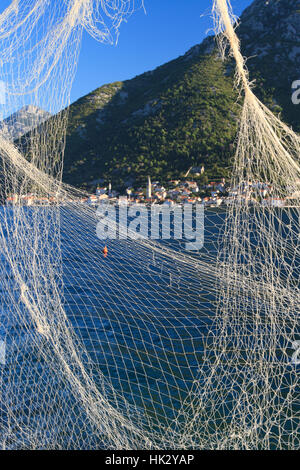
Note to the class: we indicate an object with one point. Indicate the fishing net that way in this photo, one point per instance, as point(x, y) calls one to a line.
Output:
point(151, 346)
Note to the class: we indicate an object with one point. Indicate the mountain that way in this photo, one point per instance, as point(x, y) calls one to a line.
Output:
point(185, 113)
point(23, 121)
point(270, 36)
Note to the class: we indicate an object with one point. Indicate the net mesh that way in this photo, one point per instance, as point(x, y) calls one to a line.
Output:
point(152, 347)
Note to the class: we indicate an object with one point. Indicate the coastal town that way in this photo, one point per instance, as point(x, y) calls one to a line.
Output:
point(186, 191)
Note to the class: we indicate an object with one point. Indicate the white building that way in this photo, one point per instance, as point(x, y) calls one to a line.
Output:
point(93, 200)
point(100, 191)
point(274, 202)
point(149, 189)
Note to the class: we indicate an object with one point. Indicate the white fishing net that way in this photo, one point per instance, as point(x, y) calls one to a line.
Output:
point(150, 347)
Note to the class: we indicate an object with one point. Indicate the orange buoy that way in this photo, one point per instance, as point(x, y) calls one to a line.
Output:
point(105, 251)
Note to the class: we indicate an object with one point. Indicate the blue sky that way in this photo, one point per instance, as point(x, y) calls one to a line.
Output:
point(167, 31)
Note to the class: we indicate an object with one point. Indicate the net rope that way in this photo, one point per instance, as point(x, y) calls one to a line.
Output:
point(152, 347)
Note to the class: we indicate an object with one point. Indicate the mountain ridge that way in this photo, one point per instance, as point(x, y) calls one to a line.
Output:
point(185, 112)
point(23, 121)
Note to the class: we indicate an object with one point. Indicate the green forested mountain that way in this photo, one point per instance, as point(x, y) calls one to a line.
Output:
point(184, 113)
